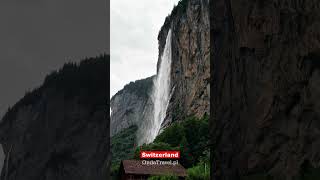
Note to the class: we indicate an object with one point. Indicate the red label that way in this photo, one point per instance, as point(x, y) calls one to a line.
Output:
point(159, 154)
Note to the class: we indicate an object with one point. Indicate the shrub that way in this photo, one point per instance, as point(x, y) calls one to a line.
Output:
point(122, 144)
point(115, 171)
point(172, 135)
point(308, 172)
point(199, 172)
point(189, 136)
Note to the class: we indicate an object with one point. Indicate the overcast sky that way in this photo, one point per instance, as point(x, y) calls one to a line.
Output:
point(38, 36)
point(134, 46)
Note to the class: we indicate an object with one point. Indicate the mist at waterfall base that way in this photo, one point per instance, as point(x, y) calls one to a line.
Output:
point(160, 97)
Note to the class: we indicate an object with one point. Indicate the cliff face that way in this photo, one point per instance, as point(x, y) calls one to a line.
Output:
point(266, 87)
point(131, 105)
point(60, 131)
point(1, 158)
point(190, 72)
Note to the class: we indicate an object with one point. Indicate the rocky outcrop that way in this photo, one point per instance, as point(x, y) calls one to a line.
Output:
point(265, 87)
point(190, 72)
point(131, 105)
point(60, 131)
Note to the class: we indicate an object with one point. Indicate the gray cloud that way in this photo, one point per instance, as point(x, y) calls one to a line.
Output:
point(134, 45)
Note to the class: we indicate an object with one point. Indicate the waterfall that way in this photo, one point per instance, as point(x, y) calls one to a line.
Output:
point(160, 96)
point(161, 93)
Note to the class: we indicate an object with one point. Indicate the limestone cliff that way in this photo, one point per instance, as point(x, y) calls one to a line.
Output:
point(131, 105)
point(60, 130)
point(190, 72)
point(265, 87)
point(190, 68)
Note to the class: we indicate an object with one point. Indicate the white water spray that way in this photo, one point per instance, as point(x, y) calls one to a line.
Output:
point(160, 96)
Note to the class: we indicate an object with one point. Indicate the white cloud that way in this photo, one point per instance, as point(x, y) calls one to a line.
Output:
point(133, 44)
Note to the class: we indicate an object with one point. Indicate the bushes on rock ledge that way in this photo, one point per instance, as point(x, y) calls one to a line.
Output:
point(189, 136)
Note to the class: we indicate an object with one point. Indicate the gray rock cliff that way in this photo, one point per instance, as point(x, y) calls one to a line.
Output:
point(131, 105)
point(265, 87)
point(1, 158)
point(190, 69)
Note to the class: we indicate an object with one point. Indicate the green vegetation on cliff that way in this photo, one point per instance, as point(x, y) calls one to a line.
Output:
point(191, 138)
point(122, 144)
point(86, 80)
point(191, 135)
point(122, 147)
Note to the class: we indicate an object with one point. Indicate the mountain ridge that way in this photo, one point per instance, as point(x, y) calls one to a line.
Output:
point(52, 126)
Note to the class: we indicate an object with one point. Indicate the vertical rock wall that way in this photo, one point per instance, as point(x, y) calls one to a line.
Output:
point(190, 72)
point(266, 87)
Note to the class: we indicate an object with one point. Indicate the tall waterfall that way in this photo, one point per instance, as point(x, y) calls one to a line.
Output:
point(160, 96)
